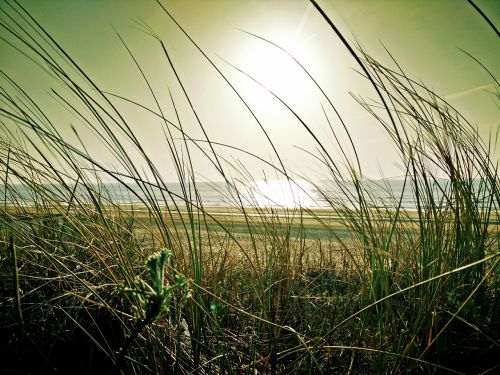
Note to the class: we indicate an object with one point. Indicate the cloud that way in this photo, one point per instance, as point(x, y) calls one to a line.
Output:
point(463, 93)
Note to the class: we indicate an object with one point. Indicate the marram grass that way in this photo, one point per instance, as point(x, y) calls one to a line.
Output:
point(243, 289)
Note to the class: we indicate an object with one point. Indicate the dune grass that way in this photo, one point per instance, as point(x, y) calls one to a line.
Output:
point(86, 288)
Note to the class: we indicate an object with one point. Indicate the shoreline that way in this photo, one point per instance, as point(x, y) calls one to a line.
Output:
point(316, 214)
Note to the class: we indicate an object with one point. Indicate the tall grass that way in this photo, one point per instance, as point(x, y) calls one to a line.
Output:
point(375, 289)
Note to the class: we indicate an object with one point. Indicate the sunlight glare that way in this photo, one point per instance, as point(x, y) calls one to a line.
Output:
point(284, 194)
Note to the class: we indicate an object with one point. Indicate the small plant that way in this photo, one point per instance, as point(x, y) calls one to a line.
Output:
point(151, 300)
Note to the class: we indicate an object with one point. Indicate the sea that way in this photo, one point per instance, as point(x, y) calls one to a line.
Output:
point(323, 194)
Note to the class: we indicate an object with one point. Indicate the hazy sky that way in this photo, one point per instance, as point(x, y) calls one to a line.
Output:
point(424, 36)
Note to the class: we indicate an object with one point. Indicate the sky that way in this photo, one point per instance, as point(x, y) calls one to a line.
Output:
point(425, 37)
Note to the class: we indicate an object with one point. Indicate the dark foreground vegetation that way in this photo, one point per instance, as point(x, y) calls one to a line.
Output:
point(87, 286)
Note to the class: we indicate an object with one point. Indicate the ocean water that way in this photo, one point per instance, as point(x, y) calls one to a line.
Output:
point(272, 193)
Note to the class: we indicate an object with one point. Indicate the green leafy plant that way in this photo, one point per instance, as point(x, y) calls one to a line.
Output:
point(152, 299)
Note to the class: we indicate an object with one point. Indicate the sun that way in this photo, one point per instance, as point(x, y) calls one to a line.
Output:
point(272, 71)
